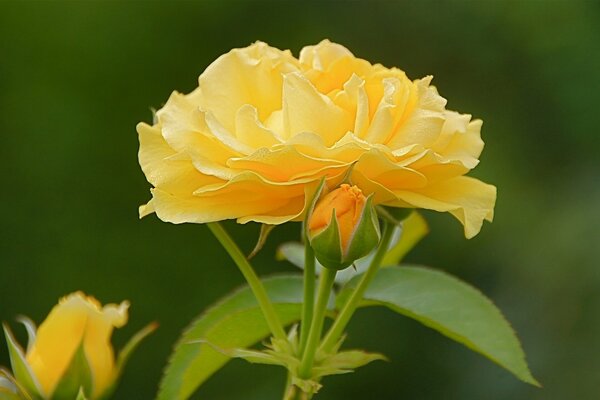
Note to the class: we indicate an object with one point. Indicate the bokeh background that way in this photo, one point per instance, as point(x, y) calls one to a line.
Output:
point(76, 77)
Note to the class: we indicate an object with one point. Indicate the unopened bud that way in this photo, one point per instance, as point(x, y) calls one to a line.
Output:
point(343, 227)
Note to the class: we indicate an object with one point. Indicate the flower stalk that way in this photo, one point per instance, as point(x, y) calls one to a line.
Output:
point(254, 282)
point(309, 294)
point(340, 323)
point(316, 327)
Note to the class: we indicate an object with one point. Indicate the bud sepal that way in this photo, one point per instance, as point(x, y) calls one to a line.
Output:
point(351, 229)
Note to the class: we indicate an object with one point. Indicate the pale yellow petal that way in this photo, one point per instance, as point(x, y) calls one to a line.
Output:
point(164, 167)
point(251, 131)
point(425, 122)
point(251, 75)
point(378, 168)
point(322, 55)
point(468, 199)
point(267, 163)
point(306, 110)
point(461, 139)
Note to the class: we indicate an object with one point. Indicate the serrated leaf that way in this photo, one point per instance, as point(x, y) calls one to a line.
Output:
point(78, 375)
point(414, 228)
point(234, 322)
point(451, 307)
point(20, 368)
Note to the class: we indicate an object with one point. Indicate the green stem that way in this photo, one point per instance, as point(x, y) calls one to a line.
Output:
point(338, 327)
point(316, 327)
point(309, 294)
point(253, 281)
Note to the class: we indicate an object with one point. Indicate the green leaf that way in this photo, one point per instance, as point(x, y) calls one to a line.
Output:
point(235, 322)
point(414, 228)
point(21, 370)
point(77, 376)
point(451, 307)
point(344, 362)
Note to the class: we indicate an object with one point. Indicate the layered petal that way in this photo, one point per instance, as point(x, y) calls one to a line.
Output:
point(468, 199)
point(263, 126)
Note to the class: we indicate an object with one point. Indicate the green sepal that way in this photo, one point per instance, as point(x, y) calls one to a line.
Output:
point(124, 356)
point(81, 395)
point(328, 246)
point(77, 376)
point(311, 206)
point(20, 368)
point(30, 328)
point(10, 388)
point(265, 230)
point(366, 235)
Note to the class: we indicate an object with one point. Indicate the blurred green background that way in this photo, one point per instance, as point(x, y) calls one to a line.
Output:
point(76, 77)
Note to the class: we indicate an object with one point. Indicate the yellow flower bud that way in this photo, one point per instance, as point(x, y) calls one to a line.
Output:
point(348, 203)
point(352, 235)
point(77, 320)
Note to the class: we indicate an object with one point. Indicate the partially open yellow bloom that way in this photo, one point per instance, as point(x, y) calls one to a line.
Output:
point(76, 320)
point(263, 128)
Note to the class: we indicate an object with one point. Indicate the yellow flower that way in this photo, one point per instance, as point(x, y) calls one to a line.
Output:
point(262, 129)
point(76, 320)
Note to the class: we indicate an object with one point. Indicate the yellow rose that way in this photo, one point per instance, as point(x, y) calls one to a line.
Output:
point(262, 128)
point(76, 320)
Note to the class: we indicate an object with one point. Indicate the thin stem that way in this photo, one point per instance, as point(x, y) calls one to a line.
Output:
point(309, 294)
point(253, 281)
point(337, 329)
point(316, 327)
